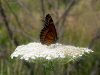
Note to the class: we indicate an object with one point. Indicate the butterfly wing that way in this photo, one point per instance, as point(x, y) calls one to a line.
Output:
point(48, 33)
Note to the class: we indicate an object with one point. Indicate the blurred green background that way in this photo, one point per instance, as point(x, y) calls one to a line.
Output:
point(78, 27)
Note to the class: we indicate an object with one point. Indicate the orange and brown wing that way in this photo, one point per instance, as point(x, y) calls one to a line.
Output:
point(48, 33)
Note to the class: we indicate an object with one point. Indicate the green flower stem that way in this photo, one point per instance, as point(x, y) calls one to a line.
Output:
point(47, 66)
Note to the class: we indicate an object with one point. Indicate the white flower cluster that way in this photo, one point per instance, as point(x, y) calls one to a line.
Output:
point(36, 51)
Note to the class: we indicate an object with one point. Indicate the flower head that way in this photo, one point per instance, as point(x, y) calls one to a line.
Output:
point(37, 51)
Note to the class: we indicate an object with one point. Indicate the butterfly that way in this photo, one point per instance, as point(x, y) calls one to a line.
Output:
point(48, 34)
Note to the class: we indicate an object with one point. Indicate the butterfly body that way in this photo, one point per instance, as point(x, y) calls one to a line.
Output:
point(48, 33)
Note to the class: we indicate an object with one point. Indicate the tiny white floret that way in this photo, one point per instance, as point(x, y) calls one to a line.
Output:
point(37, 51)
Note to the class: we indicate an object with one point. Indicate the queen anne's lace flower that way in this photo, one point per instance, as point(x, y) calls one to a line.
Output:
point(37, 51)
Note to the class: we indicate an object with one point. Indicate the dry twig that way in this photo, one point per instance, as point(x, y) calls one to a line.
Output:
point(96, 68)
point(13, 13)
point(42, 8)
point(7, 25)
point(90, 45)
point(97, 36)
point(13, 38)
point(22, 5)
point(23, 33)
point(66, 11)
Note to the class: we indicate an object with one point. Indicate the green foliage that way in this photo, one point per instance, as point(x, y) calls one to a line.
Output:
point(96, 6)
point(79, 31)
point(15, 7)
